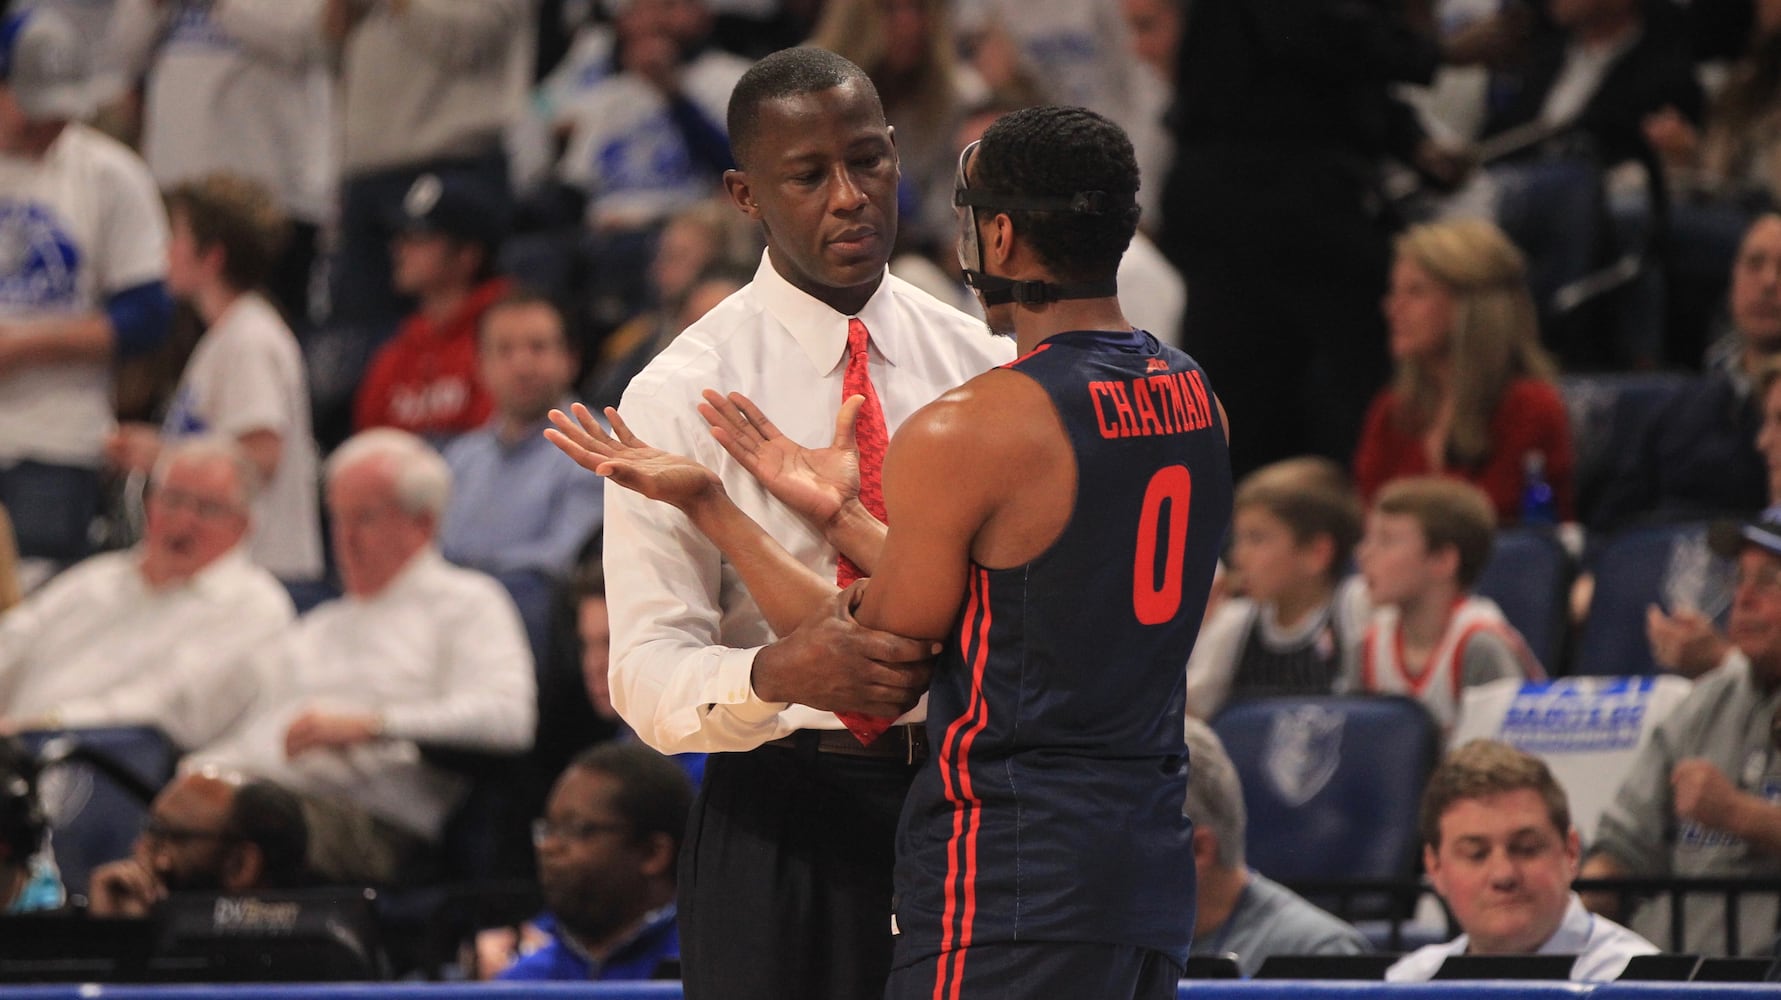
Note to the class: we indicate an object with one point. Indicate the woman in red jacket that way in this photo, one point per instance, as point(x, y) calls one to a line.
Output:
point(1473, 396)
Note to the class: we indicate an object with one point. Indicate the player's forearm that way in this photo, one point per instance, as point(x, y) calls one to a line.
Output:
point(786, 590)
point(858, 535)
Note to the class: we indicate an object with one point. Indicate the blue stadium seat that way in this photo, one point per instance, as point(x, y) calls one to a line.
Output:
point(1608, 413)
point(96, 788)
point(1331, 783)
point(1630, 570)
point(1529, 576)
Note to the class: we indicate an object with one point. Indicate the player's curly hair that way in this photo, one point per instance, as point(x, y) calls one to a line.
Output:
point(1060, 151)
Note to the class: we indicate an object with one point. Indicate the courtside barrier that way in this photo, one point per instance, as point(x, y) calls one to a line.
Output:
point(1284, 989)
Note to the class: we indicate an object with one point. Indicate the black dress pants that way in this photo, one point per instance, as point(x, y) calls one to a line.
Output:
point(785, 875)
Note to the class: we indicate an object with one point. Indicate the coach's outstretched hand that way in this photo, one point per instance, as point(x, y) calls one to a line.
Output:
point(817, 483)
point(629, 461)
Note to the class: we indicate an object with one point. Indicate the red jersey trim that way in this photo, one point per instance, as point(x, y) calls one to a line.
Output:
point(955, 776)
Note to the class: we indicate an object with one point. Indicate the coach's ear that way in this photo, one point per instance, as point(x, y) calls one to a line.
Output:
point(741, 194)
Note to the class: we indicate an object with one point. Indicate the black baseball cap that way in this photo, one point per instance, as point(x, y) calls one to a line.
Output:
point(454, 205)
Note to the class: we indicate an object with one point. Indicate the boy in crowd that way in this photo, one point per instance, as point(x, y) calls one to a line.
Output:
point(1298, 627)
point(1427, 539)
point(1499, 847)
point(246, 377)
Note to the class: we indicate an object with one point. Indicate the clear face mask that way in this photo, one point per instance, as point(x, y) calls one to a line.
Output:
point(969, 255)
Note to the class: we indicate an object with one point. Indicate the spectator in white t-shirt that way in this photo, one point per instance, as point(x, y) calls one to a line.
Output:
point(245, 378)
point(80, 282)
point(237, 85)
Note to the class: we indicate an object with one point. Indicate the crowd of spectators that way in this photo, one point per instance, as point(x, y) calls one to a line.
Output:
point(292, 284)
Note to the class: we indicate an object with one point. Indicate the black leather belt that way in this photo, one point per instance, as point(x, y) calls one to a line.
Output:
point(908, 743)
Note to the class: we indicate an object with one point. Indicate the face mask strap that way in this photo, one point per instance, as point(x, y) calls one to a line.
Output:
point(996, 290)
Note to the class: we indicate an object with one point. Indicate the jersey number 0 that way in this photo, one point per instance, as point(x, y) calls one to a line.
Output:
point(1156, 598)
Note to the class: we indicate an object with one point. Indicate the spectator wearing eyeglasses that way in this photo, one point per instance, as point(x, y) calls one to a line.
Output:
point(1703, 797)
point(607, 848)
point(153, 635)
point(204, 833)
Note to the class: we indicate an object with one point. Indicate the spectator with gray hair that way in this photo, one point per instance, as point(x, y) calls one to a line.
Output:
point(417, 652)
point(1238, 910)
point(157, 634)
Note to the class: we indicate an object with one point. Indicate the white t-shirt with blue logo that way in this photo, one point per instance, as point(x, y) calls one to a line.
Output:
point(80, 224)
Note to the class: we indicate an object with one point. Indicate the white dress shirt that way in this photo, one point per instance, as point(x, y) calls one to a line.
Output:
point(98, 647)
point(439, 654)
point(684, 629)
point(1602, 947)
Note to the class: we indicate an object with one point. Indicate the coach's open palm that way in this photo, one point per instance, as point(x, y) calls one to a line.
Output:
point(628, 460)
point(815, 482)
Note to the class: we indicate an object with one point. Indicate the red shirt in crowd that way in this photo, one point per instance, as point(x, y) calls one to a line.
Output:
point(1530, 417)
point(424, 380)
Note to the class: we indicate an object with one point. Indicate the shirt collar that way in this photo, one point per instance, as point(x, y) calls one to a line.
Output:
point(418, 565)
point(215, 581)
point(1572, 936)
point(819, 330)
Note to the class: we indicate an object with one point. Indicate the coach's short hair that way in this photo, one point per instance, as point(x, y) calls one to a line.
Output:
point(786, 73)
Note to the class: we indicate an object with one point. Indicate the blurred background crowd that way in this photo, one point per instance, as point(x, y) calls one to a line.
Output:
point(1491, 292)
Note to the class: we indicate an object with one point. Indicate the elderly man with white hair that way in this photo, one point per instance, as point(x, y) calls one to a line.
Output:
point(156, 634)
point(1240, 911)
point(417, 652)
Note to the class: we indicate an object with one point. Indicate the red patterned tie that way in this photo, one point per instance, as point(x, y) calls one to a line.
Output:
point(871, 438)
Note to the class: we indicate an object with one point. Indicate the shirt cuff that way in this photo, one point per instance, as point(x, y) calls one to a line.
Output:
point(732, 689)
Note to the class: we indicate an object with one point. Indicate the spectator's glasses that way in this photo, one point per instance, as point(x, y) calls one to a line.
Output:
point(156, 831)
point(1765, 579)
point(206, 509)
point(544, 829)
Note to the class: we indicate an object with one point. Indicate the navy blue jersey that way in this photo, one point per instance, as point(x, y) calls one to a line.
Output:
point(1050, 807)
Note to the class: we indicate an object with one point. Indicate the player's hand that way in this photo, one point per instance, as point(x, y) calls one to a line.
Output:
point(817, 483)
point(628, 461)
point(1704, 794)
point(124, 888)
point(1685, 642)
point(834, 663)
point(327, 731)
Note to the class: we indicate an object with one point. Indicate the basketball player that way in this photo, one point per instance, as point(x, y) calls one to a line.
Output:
point(1057, 522)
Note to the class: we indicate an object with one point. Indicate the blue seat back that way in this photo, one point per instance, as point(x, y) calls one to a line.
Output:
point(1630, 572)
point(1529, 577)
point(93, 817)
point(1331, 783)
point(1608, 414)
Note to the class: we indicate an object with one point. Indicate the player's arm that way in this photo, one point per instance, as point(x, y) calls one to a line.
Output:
point(787, 591)
point(947, 471)
point(672, 677)
point(821, 484)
